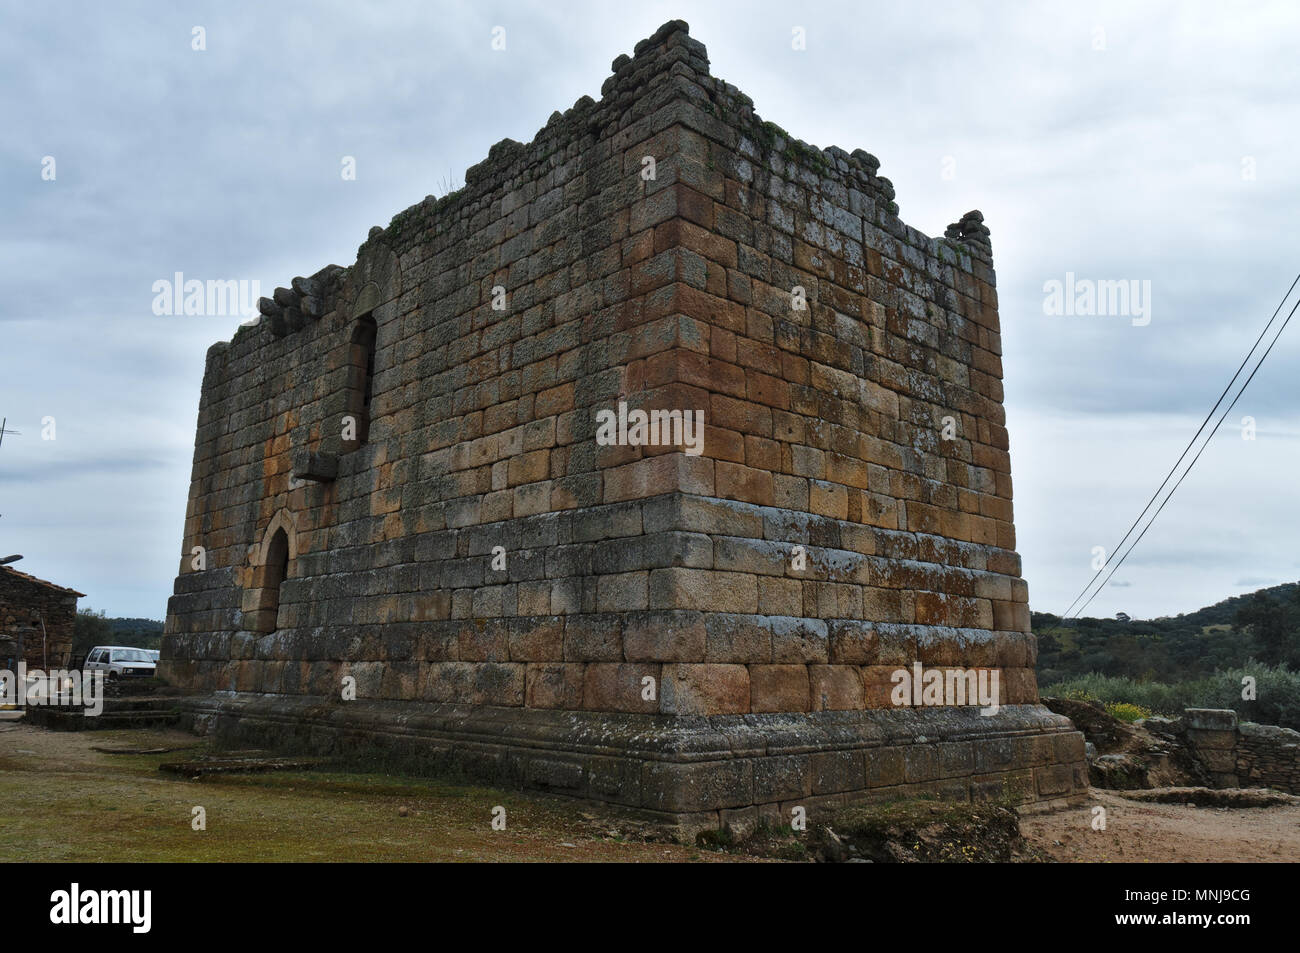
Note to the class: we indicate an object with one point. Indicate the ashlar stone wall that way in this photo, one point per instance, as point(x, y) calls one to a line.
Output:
point(434, 516)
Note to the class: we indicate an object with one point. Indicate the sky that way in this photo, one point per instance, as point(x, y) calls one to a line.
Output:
point(1153, 143)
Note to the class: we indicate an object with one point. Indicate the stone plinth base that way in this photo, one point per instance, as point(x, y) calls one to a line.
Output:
point(691, 773)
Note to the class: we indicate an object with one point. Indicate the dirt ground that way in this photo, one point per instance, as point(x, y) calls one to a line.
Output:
point(1166, 833)
point(61, 800)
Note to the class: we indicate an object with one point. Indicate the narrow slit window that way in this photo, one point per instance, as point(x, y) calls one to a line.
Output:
point(361, 379)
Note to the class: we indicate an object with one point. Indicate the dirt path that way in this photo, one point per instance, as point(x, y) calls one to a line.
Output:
point(1163, 833)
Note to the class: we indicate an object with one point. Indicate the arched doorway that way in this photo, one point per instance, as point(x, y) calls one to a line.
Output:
point(267, 580)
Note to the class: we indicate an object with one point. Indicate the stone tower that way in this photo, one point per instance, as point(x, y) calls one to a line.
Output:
point(401, 490)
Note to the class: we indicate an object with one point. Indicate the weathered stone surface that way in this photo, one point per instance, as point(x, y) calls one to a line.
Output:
point(1211, 719)
point(37, 619)
point(678, 770)
point(310, 465)
point(779, 687)
point(705, 689)
point(398, 475)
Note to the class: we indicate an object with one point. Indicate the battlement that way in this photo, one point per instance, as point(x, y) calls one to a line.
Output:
point(687, 93)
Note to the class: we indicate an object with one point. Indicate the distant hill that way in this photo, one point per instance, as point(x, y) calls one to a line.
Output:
point(1263, 625)
point(137, 631)
point(1225, 612)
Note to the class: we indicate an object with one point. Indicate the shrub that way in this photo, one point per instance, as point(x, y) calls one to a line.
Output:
point(1126, 712)
point(1277, 691)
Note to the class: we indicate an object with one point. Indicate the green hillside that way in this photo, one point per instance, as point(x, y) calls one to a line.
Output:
point(1201, 659)
point(1263, 626)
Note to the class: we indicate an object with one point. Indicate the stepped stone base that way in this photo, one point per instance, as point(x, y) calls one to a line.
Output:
point(690, 773)
point(118, 713)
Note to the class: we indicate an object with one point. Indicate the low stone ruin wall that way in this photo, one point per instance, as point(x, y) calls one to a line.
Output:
point(1243, 754)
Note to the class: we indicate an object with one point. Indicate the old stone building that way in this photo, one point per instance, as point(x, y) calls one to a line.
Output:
point(37, 621)
point(401, 486)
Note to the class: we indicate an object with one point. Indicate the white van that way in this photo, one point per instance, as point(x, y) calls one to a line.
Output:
point(119, 661)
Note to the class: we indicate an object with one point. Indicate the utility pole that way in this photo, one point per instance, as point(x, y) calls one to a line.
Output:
point(4, 430)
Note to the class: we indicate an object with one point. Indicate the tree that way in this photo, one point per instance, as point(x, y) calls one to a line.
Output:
point(1274, 626)
point(91, 629)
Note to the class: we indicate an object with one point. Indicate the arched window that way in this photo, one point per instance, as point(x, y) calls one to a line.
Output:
point(360, 380)
point(267, 580)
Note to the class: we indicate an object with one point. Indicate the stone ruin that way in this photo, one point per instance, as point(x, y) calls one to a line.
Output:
point(406, 541)
point(37, 620)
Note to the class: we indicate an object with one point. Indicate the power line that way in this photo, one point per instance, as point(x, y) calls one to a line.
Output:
point(1183, 455)
point(1195, 458)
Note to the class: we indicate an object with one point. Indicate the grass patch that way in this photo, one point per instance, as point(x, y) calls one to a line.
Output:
point(65, 802)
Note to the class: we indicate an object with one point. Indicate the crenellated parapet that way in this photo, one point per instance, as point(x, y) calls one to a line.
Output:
point(304, 301)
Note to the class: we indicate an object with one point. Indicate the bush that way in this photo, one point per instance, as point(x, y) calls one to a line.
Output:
point(1277, 691)
point(1126, 712)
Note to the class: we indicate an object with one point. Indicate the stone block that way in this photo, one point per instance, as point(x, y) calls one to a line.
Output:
point(836, 771)
point(682, 588)
point(695, 787)
point(318, 466)
point(835, 688)
point(621, 686)
point(666, 636)
point(1211, 719)
point(782, 778)
point(706, 689)
point(778, 688)
point(885, 767)
point(554, 685)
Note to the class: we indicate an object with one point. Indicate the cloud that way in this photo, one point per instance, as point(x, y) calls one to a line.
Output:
point(80, 470)
point(1123, 162)
point(1257, 582)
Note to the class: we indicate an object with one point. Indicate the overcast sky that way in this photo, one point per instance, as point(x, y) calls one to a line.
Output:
point(1151, 142)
